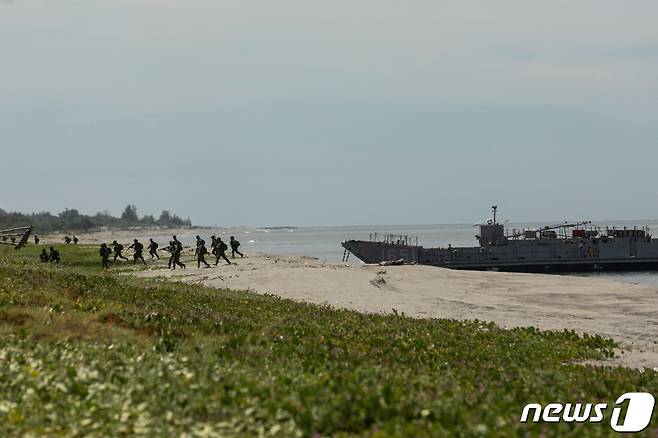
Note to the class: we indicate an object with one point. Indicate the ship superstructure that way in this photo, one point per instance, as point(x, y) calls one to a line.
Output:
point(566, 247)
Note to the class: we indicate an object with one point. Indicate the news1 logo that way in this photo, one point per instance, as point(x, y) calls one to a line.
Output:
point(638, 412)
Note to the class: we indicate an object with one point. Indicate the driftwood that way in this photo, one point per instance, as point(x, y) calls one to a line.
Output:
point(392, 262)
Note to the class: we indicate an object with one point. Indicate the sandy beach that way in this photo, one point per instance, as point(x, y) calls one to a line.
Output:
point(626, 312)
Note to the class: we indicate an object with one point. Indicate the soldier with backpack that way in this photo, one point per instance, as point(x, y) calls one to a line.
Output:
point(221, 251)
point(234, 248)
point(138, 248)
point(117, 247)
point(176, 249)
point(54, 255)
point(153, 249)
point(105, 252)
point(201, 252)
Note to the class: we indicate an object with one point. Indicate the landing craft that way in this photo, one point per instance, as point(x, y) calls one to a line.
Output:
point(10, 236)
point(567, 247)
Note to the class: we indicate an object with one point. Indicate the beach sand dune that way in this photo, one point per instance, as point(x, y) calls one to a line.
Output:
point(626, 312)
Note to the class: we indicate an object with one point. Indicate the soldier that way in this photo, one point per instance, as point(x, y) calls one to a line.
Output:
point(67, 239)
point(221, 251)
point(117, 251)
point(213, 245)
point(105, 252)
point(234, 248)
point(54, 255)
point(44, 256)
point(201, 252)
point(200, 241)
point(138, 248)
point(177, 249)
point(36, 239)
point(171, 248)
point(153, 249)
point(75, 240)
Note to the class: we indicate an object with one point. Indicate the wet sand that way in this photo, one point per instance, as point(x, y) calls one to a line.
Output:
point(626, 312)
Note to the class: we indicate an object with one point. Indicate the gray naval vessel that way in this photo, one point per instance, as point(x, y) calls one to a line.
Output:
point(568, 247)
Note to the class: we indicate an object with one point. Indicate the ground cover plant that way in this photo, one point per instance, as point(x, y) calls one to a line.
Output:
point(86, 352)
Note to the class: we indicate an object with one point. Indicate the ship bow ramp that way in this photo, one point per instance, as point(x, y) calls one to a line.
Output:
point(377, 252)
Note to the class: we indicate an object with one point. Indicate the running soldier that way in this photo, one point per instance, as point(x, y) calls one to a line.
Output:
point(177, 249)
point(221, 251)
point(172, 246)
point(75, 240)
point(234, 248)
point(153, 249)
point(105, 252)
point(67, 239)
point(138, 249)
point(54, 255)
point(201, 252)
point(213, 245)
point(36, 239)
point(117, 247)
point(44, 256)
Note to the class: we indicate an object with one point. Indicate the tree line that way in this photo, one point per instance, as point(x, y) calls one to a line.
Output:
point(71, 220)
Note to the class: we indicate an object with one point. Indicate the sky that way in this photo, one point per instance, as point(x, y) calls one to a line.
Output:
point(348, 112)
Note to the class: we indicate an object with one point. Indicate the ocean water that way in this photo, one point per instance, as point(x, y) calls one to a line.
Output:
point(324, 242)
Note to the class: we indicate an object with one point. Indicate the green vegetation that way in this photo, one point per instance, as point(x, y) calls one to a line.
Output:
point(93, 353)
point(70, 220)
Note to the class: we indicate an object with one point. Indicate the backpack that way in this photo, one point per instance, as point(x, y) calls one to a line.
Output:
point(222, 246)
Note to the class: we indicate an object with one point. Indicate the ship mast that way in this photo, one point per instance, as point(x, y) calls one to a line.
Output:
point(494, 208)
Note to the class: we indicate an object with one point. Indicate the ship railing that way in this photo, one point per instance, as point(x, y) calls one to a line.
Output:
point(394, 239)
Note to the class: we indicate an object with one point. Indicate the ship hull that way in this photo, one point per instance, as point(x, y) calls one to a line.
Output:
point(566, 267)
point(550, 257)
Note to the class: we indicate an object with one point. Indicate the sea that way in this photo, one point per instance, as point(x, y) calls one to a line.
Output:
point(324, 243)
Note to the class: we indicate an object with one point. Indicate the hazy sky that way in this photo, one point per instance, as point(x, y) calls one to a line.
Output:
point(330, 113)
